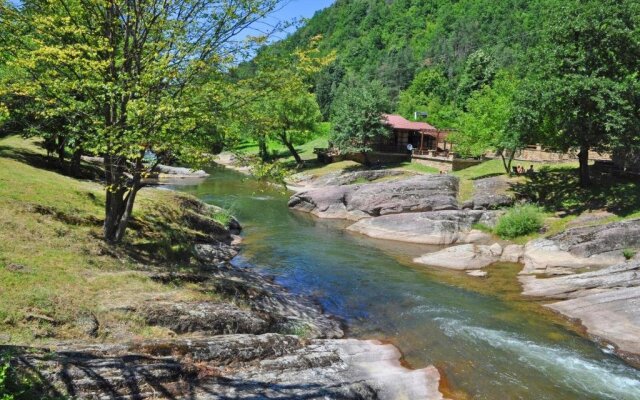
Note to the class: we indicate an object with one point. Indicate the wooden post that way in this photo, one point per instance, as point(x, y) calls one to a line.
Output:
point(421, 141)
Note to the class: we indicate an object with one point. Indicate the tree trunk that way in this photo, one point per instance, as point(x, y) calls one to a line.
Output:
point(120, 197)
point(507, 161)
point(75, 162)
point(292, 149)
point(60, 143)
point(583, 158)
point(263, 152)
point(118, 210)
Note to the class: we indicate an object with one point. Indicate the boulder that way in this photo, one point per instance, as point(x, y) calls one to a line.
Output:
point(462, 257)
point(354, 202)
point(512, 253)
point(434, 227)
point(230, 366)
point(214, 253)
point(180, 171)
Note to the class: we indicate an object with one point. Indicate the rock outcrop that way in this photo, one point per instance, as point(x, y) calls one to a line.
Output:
point(230, 366)
point(606, 302)
point(582, 247)
point(341, 178)
point(354, 202)
point(205, 317)
point(490, 194)
point(598, 286)
point(435, 227)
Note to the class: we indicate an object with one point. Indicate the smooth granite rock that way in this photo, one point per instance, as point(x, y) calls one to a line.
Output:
point(490, 194)
point(606, 301)
point(512, 253)
point(462, 257)
point(340, 178)
point(230, 367)
point(435, 227)
point(354, 202)
point(582, 247)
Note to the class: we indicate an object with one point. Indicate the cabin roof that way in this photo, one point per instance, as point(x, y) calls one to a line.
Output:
point(399, 122)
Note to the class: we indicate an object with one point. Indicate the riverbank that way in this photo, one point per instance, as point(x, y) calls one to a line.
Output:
point(598, 290)
point(164, 314)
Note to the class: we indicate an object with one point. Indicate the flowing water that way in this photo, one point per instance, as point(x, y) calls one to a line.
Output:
point(488, 343)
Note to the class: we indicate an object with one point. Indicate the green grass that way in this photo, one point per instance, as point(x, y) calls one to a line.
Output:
point(280, 152)
point(519, 221)
point(53, 262)
point(419, 168)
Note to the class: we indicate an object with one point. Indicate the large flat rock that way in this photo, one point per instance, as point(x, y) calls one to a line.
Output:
point(435, 227)
point(606, 301)
point(354, 202)
point(230, 367)
point(462, 257)
point(599, 287)
point(582, 247)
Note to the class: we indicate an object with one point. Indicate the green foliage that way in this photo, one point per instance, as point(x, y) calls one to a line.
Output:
point(357, 116)
point(393, 41)
point(149, 79)
point(587, 75)
point(4, 378)
point(223, 216)
point(479, 72)
point(628, 253)
point(519, 221)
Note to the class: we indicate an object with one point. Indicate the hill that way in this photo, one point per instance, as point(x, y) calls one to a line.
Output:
point(395, 41)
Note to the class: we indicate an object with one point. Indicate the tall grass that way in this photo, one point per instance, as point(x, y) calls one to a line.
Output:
point(519, 221)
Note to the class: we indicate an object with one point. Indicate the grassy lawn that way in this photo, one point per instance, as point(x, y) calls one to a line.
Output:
point(54, 267)
point(280, 151)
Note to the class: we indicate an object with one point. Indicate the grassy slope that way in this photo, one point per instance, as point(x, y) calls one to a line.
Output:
point(51, 235)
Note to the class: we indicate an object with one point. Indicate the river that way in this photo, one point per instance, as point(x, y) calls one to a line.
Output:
point(487, 341)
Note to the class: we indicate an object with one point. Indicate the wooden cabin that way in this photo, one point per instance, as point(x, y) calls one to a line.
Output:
point(422, 137)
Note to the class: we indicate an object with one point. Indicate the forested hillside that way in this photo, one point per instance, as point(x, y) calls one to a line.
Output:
point(392, 41)
point(501, 73)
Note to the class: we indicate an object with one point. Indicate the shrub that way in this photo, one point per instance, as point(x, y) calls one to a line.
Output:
point(519, 221)
point(223, 216)
point(628, 254)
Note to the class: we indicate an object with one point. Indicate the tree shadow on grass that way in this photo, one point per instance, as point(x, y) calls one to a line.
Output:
point(559, 190)
point(491, 175)
point(41, 161)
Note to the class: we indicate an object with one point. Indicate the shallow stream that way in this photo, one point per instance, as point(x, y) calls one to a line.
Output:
point(487, 341)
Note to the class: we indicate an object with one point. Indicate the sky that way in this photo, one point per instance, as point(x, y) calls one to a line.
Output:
point(294, 9)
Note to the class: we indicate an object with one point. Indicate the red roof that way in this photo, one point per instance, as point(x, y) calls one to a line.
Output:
point(398, 122)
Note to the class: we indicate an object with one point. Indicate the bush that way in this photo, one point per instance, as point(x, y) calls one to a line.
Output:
point(628, 254)
point(519, 221)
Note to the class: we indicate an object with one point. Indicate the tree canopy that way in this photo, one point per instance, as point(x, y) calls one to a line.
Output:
point(132, 71)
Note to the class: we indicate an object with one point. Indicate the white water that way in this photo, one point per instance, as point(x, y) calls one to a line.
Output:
point(603, 379)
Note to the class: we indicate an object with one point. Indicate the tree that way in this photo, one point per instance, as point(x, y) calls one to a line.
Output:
point(279, 104)
point(326, 86)
point(489, 124)
point(132, 69)
point(357, 121)
point(589, 66)
point(295, 118)
point(479, 71)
